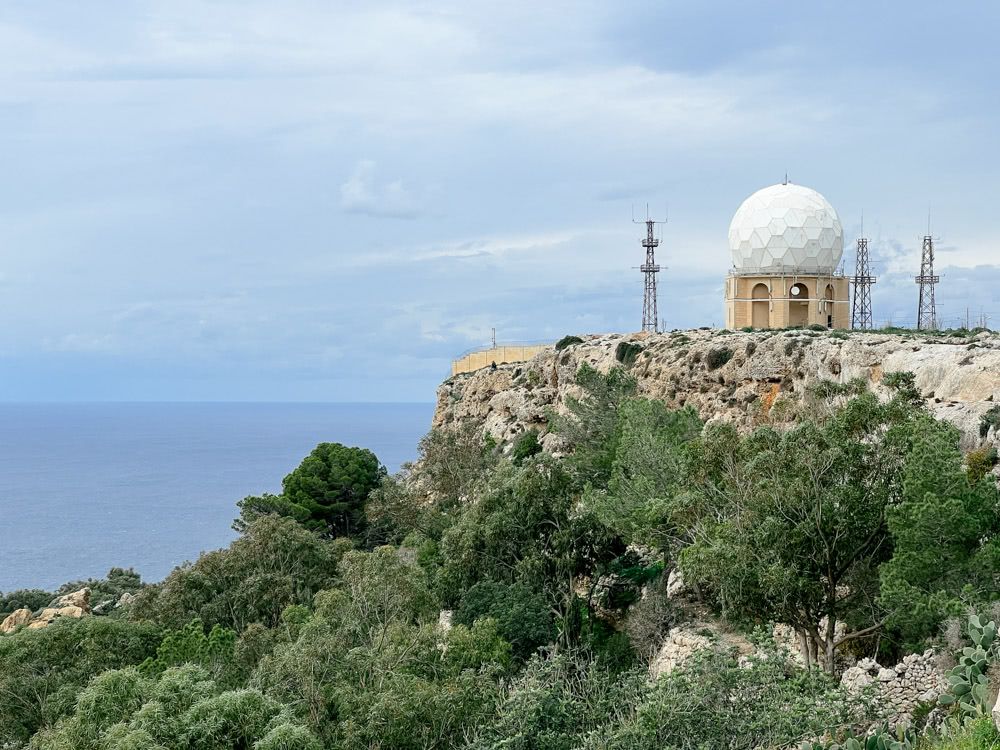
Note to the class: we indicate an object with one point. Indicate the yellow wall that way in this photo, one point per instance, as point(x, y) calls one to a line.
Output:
point(739, 300)
point(500, 355)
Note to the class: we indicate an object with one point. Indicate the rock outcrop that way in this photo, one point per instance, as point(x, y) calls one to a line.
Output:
point(680, 645)
point(749, 378)
point(15, 619)
point(75, 604)
point(897, 691)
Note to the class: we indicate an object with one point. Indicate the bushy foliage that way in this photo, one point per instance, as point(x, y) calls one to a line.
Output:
point(525, 446)
point(372, 668)
point(326, 493)
point(989, 420)
point(24, 599)
point(713, 702)
point(717, 357)
point(275, 563)
point(568, 340)
point(556, 702)
point(182, 709)
point(646, 489)
point(214, 651)
point(980, 462)
point(42, 671)
point(592, 425)
point(523, 529)
point(522, 614)
point(626, 352)
point(783, 521)
point(454, 459)
point(945, 533)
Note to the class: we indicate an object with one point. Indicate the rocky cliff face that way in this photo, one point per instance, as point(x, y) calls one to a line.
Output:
point(748, 378)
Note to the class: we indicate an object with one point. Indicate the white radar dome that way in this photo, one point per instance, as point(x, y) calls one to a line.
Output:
point(786, 228)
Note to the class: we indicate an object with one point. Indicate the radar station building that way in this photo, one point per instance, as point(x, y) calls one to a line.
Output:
point(786, 241)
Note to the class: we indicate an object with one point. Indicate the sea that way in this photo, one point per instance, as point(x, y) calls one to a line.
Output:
point(86, 487)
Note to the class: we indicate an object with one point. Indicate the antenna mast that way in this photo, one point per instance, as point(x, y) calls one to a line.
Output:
point(650, 320)
point(861, 302)
point(926, 309)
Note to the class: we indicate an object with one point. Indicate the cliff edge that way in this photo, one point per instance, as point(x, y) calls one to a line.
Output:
point(749, 378)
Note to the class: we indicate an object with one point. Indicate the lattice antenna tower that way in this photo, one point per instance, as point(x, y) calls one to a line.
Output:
point(926, 308)
point(863, 280)
point(650, 319)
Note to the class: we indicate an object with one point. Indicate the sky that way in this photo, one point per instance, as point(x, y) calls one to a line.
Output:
point(328, 201)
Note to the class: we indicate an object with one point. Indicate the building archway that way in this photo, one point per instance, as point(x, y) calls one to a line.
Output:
point(828, 305)
point(760, 308)
point(798, 305)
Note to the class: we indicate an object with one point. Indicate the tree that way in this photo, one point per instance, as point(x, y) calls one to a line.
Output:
point(274, 564)
point(793, 525)
point(945, 534)
point(648, 473)
point(525, 528)
point(592, 425)
point(326, 493)
point(453, 460)
point(372, 668)
point(522, 614)
point(182, 709)
point(42, 671)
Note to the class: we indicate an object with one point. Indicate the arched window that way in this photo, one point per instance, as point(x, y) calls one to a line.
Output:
point(760, 308)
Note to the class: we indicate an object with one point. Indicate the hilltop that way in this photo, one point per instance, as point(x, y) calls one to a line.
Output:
point(749, 378)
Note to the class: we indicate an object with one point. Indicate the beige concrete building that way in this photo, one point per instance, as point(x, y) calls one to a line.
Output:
point(769, 301)
point(786, 241)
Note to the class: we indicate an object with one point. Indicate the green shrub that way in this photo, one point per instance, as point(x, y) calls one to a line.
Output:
point(716, 358)
point(191, 645)
point(747, 329)
point(989, 419)
point(526, 446)
point(712, 702)
point(980, 462)
point(627, 352)
point(275, 563)
point(522, 614)
point(24, 599)
point(42, 671)
point(181, 710)
point(567, 341)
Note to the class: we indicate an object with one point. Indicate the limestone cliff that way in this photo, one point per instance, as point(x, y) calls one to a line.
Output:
point(748, 378)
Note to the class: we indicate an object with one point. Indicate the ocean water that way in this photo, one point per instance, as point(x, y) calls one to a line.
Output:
point(84, 487)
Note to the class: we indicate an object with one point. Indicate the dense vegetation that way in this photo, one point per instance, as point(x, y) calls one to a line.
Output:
point(862, 527)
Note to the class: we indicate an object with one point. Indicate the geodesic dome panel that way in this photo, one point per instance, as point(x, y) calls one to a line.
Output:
point(786, 229)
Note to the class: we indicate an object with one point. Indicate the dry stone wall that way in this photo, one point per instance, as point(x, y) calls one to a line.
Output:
point(898, 691)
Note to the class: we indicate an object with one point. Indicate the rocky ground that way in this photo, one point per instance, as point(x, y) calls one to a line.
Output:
point(749, 378)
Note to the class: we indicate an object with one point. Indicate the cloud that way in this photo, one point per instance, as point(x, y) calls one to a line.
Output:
point(361, 193)
point(172, 207)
